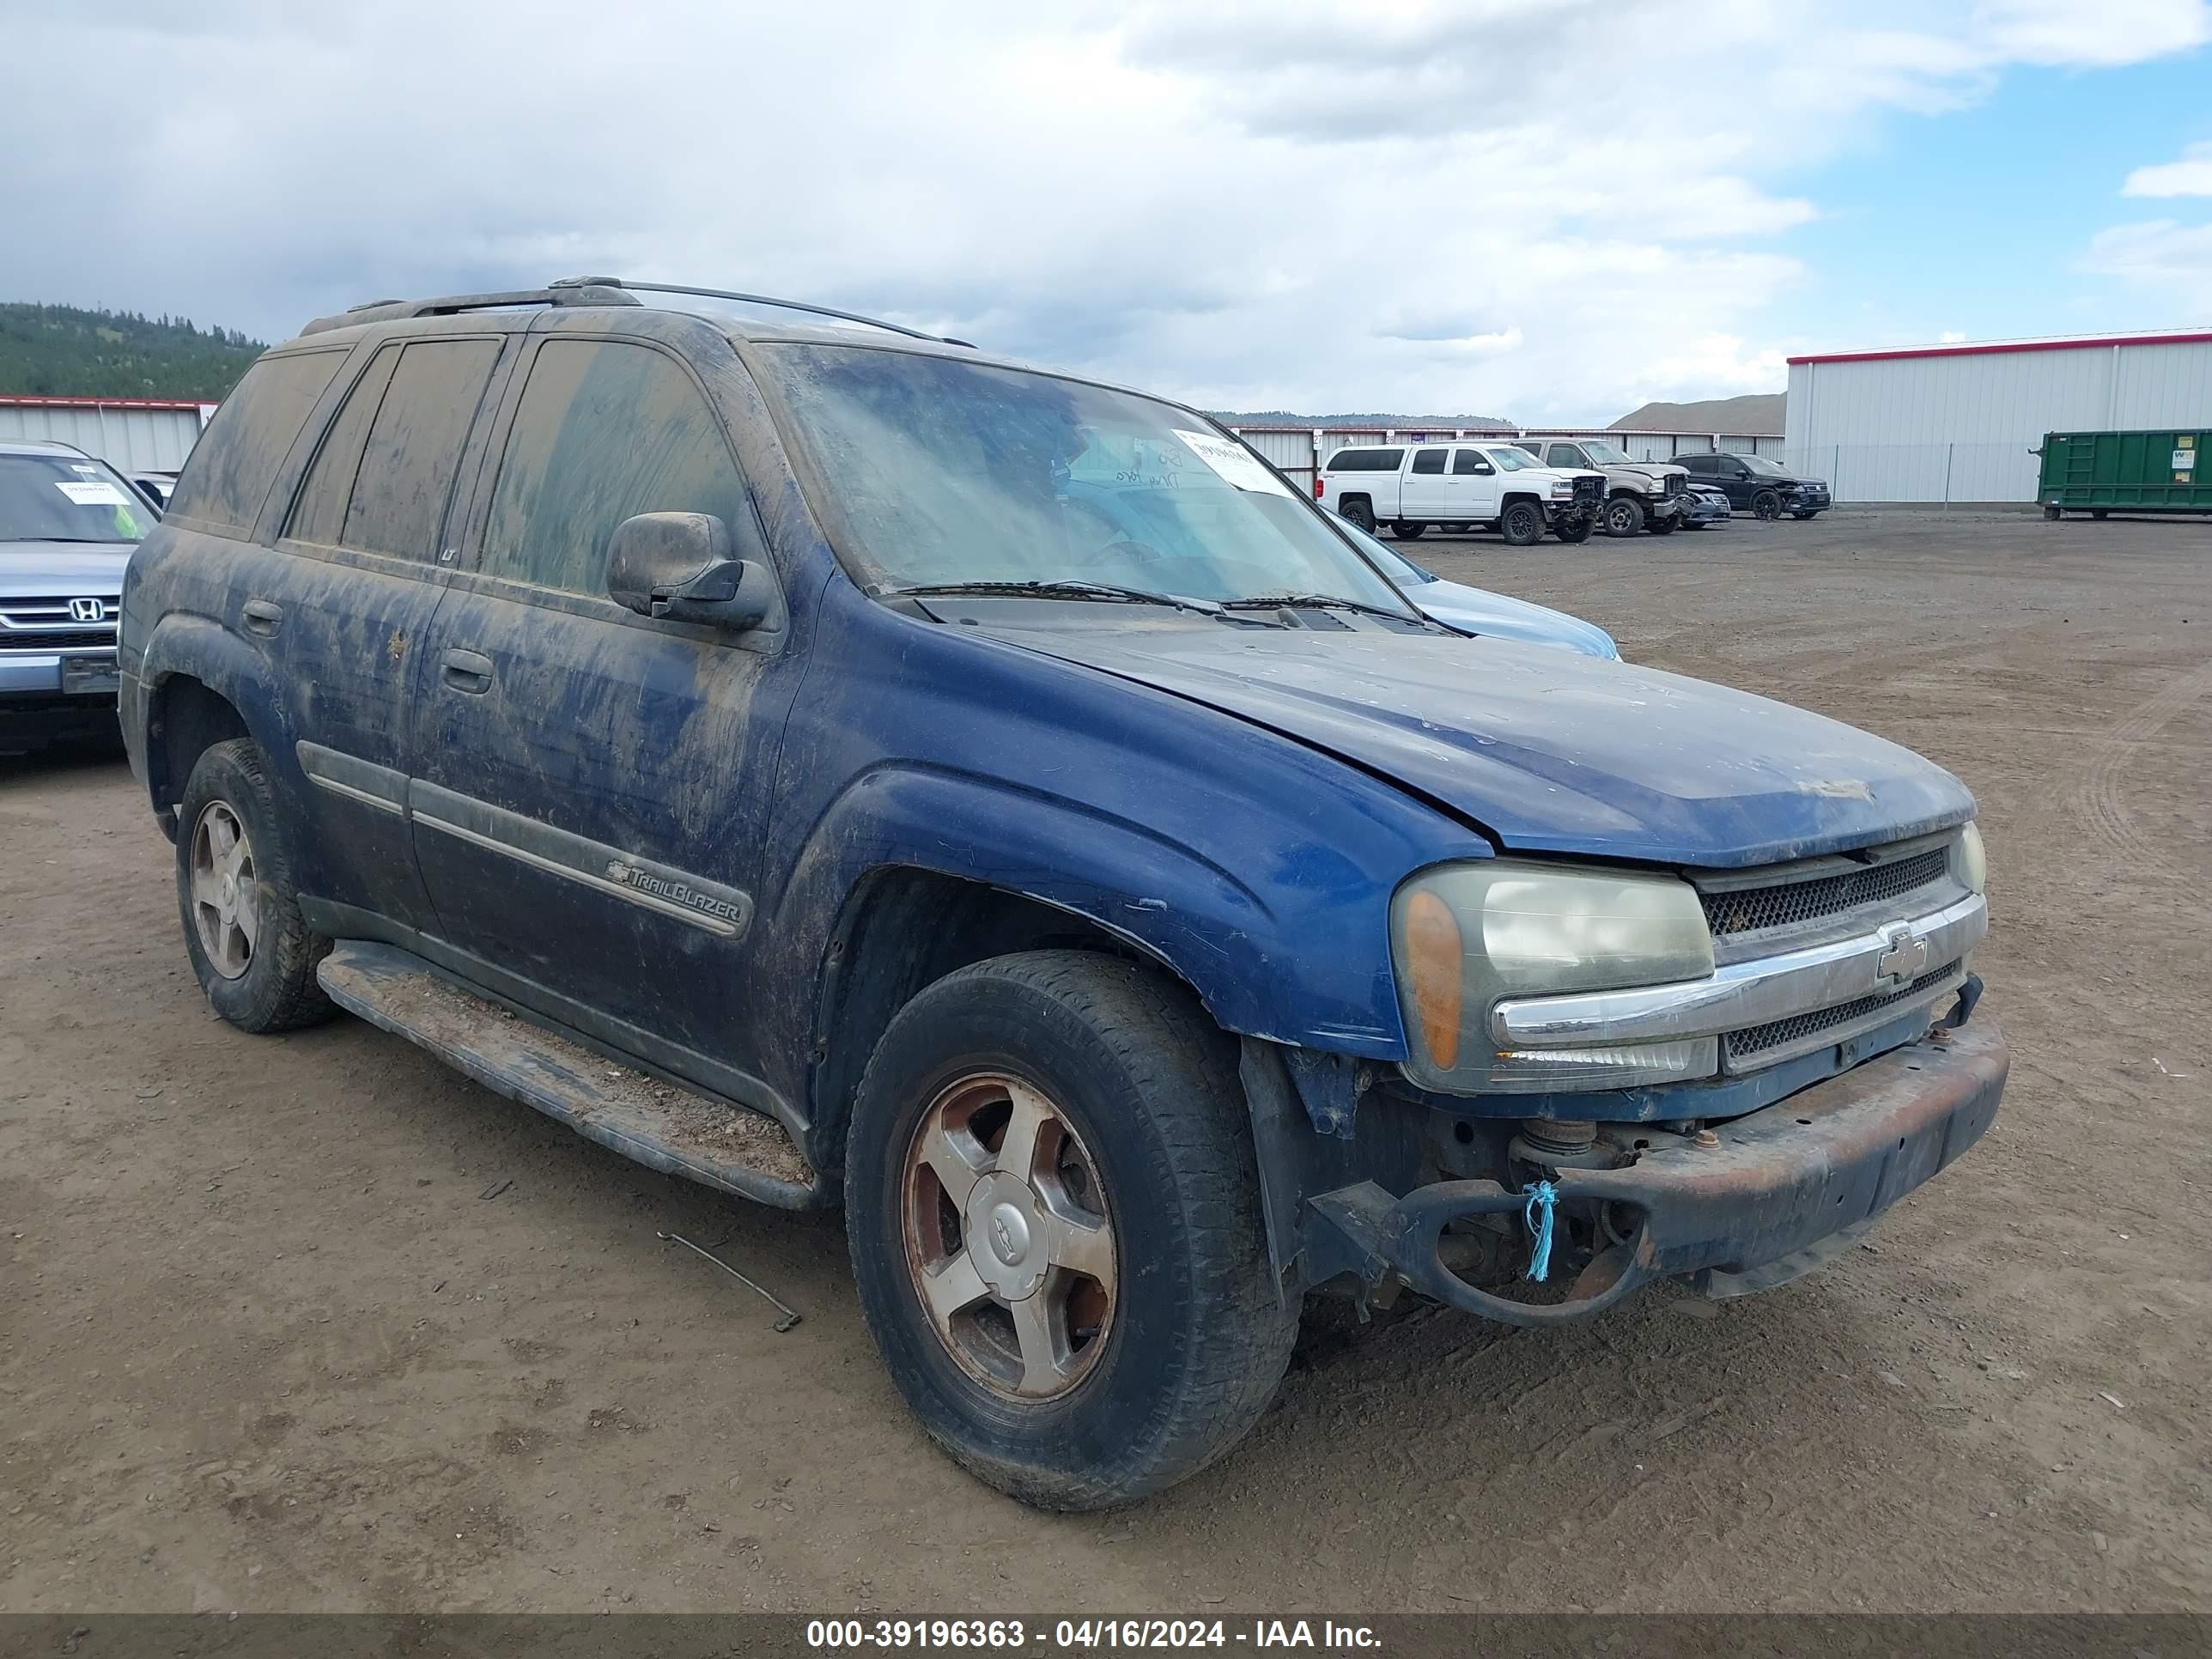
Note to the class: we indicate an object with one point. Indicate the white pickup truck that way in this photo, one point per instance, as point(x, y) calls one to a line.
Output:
point(1459, 484)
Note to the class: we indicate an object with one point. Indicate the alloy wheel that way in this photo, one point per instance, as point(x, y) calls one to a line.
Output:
point(1009, 1237)
point(226, 890)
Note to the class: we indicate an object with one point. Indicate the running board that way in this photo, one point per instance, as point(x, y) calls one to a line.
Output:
point(661, 1125)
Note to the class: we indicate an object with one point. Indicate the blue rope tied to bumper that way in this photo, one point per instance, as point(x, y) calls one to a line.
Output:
point(1537, 1214)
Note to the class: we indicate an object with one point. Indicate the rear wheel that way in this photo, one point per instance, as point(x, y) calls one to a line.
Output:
point(1053, 1210)
point(1359, 513)
point(250, 948)
point(1407, 530)
point(1767, 504)
point(1522, 524)
point(1622, 516)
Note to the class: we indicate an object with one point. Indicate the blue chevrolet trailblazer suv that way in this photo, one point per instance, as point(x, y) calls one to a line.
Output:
point(996, 802)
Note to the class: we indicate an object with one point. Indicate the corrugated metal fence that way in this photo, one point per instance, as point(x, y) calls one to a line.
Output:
point(147, 435)
point(1299, 450)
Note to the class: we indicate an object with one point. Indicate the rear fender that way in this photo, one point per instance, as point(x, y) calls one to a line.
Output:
point(199, 647)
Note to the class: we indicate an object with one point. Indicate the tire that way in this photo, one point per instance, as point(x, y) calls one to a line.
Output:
point(1574, 528)
point(1623, 515)
point(1359, 513)
point(1407, 530)
point(1766, 504)
point(1666, 526)
point(1522, 524)
point(2052, 514)
point(2099, 512)
point(1181, 1357)
point(1801, 517)
point(251, 949)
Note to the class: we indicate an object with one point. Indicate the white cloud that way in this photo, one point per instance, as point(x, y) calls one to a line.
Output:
point(1951, 336)
point(2172, 260)
point(1494, 206)
point(2190, 176)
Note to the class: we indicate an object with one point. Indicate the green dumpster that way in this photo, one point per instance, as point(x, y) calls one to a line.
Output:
point(2101, 472)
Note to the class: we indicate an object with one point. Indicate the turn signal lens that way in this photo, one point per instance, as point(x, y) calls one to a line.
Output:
point(1434, 970)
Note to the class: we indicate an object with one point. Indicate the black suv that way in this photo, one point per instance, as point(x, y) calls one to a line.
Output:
point(1760, 484)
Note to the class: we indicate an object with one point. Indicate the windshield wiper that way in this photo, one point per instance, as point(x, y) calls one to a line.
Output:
point(1056, 590)
point(1315, 602)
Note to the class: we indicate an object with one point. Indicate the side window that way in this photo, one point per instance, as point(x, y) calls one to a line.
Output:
point(1565, 455)
point(414, 447)
point(236, 459)
point(1697, 463)
point(1429, 460)
point(318, 515)
point(605, 430)
point(1469, 463)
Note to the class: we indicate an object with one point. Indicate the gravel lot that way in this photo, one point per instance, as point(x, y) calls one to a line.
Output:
point(268, 1345)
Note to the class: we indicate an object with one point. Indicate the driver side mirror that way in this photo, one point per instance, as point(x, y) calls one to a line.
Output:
point(678, 566)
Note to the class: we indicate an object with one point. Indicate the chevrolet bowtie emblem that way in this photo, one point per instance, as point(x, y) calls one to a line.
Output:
point(1906, 959)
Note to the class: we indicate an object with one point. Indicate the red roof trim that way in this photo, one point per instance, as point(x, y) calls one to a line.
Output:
point(1998, 348)
point(14, 400)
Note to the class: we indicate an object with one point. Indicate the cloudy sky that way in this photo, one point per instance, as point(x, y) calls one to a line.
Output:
point(1544, 208)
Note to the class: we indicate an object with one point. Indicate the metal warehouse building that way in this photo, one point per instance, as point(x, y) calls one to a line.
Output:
point(146, 434)
point(1961, 422)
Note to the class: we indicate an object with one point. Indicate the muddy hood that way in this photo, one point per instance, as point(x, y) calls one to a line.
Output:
point(1548, 751)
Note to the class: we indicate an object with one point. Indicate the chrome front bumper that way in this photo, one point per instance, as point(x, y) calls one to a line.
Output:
point(1889, 967)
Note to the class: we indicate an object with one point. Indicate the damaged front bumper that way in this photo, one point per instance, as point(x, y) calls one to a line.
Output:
point(1747, 1204)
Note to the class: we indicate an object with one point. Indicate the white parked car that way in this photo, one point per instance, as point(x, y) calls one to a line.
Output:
point(1459, 484)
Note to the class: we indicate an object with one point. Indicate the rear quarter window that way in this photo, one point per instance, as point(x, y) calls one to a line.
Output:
point(235, 461)
point(1366, 460)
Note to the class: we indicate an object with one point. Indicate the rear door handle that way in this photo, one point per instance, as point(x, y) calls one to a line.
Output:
point(465, 670)
point(262, 617)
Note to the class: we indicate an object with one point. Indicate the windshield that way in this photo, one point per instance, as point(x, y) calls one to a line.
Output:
point(1761, 466)
point(1510, 459)
point(938, 471)
point(1395, 565)
point(1606, 454)
point(67, 498)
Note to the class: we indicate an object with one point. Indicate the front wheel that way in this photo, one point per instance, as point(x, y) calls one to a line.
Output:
point(1767, 504)
point(1623, 516)
point(251, 949)
point(1574, 527)
point(1054, 1211)
point(1407, 530)
point(1667, 526)
point(1522, 524)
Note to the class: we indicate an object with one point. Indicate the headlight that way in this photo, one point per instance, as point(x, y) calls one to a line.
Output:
point(1464, 935)
point(1655, 487)
point(1563, 491)
point(1973, 865)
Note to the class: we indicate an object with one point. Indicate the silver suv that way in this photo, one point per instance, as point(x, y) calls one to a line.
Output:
point(67, 525)
point(1639, 495)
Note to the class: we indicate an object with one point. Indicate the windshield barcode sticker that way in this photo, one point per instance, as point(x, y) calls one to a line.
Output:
point(92, 494)
point(1234, 463)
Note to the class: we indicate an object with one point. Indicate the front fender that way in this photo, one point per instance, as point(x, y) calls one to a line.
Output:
point(1298, 962)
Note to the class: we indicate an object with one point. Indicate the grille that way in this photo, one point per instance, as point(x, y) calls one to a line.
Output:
point(45, 625)
point(1588, 488)
point(1780, 1033)
point(1747, 909)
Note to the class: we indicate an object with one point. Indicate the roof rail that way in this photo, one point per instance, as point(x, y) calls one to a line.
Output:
point(577, 291)
point(619, 284)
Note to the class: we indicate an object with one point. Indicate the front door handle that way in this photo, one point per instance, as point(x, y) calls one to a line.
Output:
point(465, 670)
point(262, 617)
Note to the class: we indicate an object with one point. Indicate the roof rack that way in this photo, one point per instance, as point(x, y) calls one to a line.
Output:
point(619, 284)
point(576, 291)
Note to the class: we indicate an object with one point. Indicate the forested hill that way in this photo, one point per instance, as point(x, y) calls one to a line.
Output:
point(61, 351)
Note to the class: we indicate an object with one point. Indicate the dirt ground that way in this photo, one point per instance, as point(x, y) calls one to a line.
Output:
point(265, 1344)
